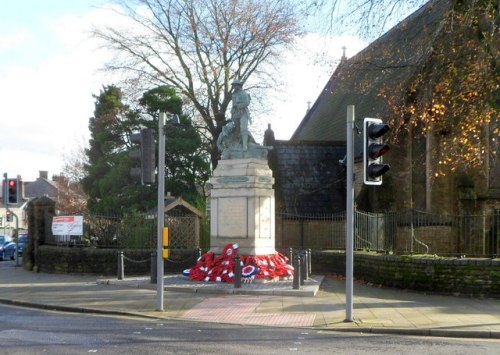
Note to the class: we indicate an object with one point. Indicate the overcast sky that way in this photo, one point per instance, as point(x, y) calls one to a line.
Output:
point(50, 68)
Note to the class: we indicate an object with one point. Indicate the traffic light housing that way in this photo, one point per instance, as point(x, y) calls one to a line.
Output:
point(146, 155)
point(373, 150)
point(12, 191)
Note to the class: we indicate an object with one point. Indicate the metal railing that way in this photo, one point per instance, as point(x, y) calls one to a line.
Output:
point(131, 232)
point(409, 231)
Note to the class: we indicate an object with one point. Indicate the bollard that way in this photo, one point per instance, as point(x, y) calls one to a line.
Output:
point(237, 272)
point(290, 256)
point(309, 262)
point(121, 272)
point(303, 267)
point(296, 272)
point(154, 272)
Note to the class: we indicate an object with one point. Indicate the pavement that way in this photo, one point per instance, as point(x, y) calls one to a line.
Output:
point(318, 304)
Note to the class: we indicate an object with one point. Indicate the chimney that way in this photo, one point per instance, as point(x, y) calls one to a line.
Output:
point(44, 174)
point(20, 186)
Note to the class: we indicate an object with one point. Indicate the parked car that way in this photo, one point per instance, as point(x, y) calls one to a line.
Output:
point(7, 248)
point(21, 242)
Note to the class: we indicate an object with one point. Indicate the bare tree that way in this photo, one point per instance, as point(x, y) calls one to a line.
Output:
point(367, 18)
point(453, 98)
point(74, 164)
point(199, 47)
point(71, 198)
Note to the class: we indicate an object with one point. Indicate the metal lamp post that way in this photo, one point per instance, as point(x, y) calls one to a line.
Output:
point(161, 207)
point(349, 215)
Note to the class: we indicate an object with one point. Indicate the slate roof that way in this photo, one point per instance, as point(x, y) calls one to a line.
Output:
point(307, 177)
point(389, 63)
point(40, 187)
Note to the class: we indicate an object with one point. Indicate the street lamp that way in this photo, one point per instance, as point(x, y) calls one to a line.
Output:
point(161, 205)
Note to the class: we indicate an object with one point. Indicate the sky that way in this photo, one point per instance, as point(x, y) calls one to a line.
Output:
point(50, 67)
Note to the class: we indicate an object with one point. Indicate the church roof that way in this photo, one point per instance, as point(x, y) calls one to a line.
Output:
point(387, 64)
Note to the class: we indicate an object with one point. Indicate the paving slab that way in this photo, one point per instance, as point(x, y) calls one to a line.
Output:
point(319, 304)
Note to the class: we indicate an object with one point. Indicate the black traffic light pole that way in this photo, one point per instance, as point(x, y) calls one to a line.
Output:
point(6, 193)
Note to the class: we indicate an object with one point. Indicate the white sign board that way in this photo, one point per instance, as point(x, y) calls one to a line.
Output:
point(67, 225)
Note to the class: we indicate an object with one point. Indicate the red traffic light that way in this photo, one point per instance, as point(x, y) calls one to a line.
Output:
point(376, 150)
point(12, 191)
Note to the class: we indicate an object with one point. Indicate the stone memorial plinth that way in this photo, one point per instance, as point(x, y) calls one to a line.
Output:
point(242, 206)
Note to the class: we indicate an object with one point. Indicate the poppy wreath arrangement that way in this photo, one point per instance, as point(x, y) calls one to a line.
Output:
point(221, 268)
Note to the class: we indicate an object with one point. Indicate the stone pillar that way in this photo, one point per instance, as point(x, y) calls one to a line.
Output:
point(40, 213)
point(242, 206)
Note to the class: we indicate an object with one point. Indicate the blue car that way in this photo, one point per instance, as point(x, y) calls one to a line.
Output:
point(7, 248)
point(21, 242)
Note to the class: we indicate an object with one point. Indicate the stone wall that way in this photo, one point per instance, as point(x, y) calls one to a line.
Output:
point(457, 276)
point(105, 261)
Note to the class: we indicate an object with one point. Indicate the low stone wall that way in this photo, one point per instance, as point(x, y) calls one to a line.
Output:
point(457, 276)
point(52, 259)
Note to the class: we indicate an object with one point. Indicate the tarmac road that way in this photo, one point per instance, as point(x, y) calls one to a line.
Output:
point(376, 310)
point(29, 331)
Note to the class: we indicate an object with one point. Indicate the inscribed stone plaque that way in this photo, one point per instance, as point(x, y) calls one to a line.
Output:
point(265, 218)
point(233, 221)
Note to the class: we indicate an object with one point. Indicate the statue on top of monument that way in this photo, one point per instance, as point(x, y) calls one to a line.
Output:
point(235, 141)
point(239, 112)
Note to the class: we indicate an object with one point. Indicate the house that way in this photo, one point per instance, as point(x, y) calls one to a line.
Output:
point(401, 78)
point(42, 186)
point(27, 191)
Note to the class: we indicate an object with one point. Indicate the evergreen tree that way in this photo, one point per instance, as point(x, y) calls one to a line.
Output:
point(187, 165)
point(110, 188)
point(107, 181)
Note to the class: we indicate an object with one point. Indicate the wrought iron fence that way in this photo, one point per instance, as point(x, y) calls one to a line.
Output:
point(137, 231)
point(410, 231)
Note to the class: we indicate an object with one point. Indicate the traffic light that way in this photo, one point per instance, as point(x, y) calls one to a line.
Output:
point(373, 150)
point(146, 155)
point(12, 191)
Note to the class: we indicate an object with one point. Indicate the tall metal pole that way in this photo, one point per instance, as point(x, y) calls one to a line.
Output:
point(17, 241)
point(5, 200)
point(349, 215)
point(161, 211)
